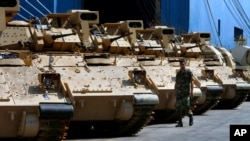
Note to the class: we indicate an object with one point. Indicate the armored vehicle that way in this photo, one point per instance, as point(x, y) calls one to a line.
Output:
point(241, 70)
point(33, 104)
point(242, 58)
point(108, 100)
point(52, 85)
point(234, 82)
point(162, 41)
point(175, 49)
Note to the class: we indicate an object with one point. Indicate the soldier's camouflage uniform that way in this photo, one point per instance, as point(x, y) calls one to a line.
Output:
point(183, 80)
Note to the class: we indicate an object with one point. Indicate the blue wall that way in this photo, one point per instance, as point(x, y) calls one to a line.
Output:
point(204, 16)
point(175, 13)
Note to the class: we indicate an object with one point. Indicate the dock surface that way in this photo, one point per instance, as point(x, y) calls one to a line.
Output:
point(214, 125)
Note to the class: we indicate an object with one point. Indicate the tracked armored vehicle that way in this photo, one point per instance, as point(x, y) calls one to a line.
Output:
point(31, 106)
point(242, 58)
point(162, 41)
point(174, 50)
point(52, 85)
point(101, 81)
point(240, 72)
point(234, 81)
point(108, 100)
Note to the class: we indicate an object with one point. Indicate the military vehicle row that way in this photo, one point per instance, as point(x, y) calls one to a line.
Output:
point(214, 68)
point(234, 80)
point(65, 73)
point(148, 47)
point(47, 83)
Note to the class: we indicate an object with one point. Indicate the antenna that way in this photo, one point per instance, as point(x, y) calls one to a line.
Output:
point(51, 59)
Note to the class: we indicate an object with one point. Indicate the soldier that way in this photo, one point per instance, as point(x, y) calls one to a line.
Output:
point(183, 93)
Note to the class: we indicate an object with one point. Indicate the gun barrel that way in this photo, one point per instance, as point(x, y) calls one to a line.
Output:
point(194, 46)
point(60, 36)
point(121, 36)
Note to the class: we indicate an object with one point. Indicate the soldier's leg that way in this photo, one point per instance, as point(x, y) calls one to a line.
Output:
point(179, 111)
point(191, 119)
point(179, 124)
point(190, 114)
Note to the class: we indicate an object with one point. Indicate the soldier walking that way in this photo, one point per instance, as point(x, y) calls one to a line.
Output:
point(183, 93)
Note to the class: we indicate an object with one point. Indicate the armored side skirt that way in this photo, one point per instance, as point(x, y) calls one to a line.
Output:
point(56, 110)
point(214, 90)
point(146, 99)
point(243, 87)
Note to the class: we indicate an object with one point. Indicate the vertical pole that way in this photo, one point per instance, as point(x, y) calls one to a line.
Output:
point(3, 19)
point(219, 27)
point(158, 12)
point(55, 6)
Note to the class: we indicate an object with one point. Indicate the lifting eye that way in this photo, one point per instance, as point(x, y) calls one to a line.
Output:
point(50, 80)
point(209, 74)
point(47, 82)
point(139, 76)
point(238, 72)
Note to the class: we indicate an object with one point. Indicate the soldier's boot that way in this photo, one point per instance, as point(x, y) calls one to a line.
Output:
point(180, 124)
point(191, 120)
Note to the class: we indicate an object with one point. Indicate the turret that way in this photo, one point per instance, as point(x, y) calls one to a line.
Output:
point(192, 44)
point(146, 44)
point(82, 20)
point(199, 37)
point(131, 26)
point(162, 32)
point(166, 36)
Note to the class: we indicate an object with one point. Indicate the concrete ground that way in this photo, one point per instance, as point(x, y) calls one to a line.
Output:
point(211, 126)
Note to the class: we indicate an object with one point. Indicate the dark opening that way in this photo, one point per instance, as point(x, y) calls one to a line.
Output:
point(119, 10)
point(238, 32)
point(205, 35)
point(8, 3)
point(168, 31)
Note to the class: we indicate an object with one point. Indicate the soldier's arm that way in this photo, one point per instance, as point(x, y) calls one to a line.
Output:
point(175, 84)
point(175, 89)
point(192, 87)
